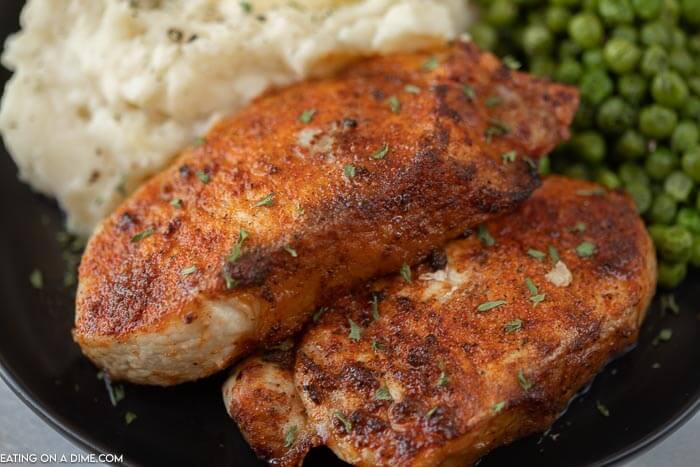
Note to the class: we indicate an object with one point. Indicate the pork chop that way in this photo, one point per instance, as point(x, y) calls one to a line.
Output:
point(305, 194)
point(484, 343)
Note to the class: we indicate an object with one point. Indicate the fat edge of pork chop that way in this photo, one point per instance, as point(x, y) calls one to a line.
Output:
point(487, 344)
point(308, 192)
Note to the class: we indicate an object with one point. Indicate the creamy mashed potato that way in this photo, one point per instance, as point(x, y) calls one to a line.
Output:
point(105, 92)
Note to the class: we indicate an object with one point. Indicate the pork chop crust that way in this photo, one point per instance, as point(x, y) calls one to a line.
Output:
point(486, 343)
point(305, 194)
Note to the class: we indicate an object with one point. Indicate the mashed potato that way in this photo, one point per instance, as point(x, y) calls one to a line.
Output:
point(105, 92)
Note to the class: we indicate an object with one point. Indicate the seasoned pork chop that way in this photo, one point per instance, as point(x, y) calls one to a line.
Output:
point(305, 194)
point(486, 343)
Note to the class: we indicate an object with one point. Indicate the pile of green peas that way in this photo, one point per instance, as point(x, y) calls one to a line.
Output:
point(637, 66)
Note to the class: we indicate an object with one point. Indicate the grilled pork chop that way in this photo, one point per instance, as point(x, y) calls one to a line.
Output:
point(483, 344)
point(305, 194)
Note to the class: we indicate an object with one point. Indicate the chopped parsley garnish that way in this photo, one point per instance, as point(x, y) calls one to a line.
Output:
point(406, 273)
point(376, 345)
point(36, 278)
point(430, 64)
point(591, 192)
point(498, 406)
point(307, 115)
point(496, 128)
point(197, 142)
point(292, 252)
point(412, 89)
point(318, 313)
point(585, 249)
point(602, 409)
point(490, 305)
point(394, 104)
point(535, 297)
point(228, 279)
point(668, 303)
point(246, 7)
point(355, 331)
point(509, 156)
point(130, 417)
point(116, 393)
point(537, 254)
point(349, 171)
point(290, 436)
point(431, 412)
point(442, 379)
point(203, 177)
point(469, 92)
point(375, 307)
point(189, 270)
point(512, 326)
point(511, 62)
point(665, 335)
point(524, 383)
point(493, 101)
point(381, 152)
point(553, 254)
point(485, 236)
point(383, 394)
point(579, 227)
point(237, 249)
point(176, 203)
point(267, 200)
point(347, 424)
point(141, 235)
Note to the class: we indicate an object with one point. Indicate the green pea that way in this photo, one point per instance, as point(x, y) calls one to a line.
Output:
point(585, 115)
point(690, 219)
point(685, 136)
point(647, 9)
point(589, 146)
point(663, 209)
point(595, 86)
point(537, 40)
point(655, 33)
point(682, 61)
point(593, 58)
point(694, 84)
point(484, 36)
point(590, 5)
point(621, 55)
point(542, 66)
point(691, 108)
point(586, 30)
point(632, 87)
point(569, 49)
point(626, 32)
point(607, 178)
point(569, 71)
point(654, 60)
point(615, 115)
point(671, 11)
point(557, 18)
point(678, 38)
point(671, 274)
point(631, 145)
point(679, 186)
point(691, 162)
point(669, 89)
point(631, 173)
point(690, 10)
point(616, 11)
point(661, 163)
point(578, 171)
point(674, 244)
point(641, 194)
point(502, 13)
point(695, 251)
point(694, 43)
point(656, 121)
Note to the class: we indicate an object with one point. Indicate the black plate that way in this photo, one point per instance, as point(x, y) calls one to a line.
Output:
point(187, 425)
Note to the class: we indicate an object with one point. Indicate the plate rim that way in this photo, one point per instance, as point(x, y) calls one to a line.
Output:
point(73, 434)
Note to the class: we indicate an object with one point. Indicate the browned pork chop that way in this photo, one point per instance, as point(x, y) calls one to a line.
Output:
point(483, 344)
point(308, 192)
